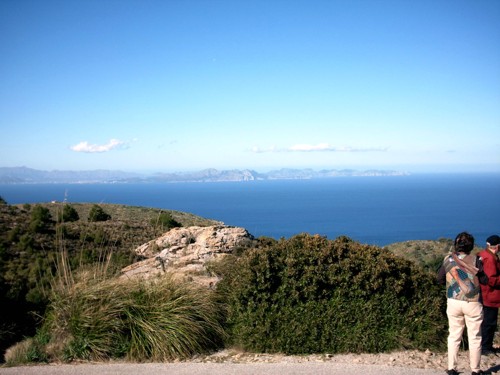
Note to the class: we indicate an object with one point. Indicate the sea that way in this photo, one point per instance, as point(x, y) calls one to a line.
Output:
point(376, 210)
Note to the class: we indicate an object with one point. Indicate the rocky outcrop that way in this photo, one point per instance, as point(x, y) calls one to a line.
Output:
point(185, 251)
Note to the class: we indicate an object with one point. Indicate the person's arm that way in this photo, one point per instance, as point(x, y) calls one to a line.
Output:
point(481, 275)
point(441, 275)
point(490, 269)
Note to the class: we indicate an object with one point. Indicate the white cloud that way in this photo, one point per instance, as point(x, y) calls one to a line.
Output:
point(320, 147)
point(86, 147)
point(309, 148)
point(258, 150)
point(353, 149)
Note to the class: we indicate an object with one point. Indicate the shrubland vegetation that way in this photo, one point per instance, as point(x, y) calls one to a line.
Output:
point(95, 318)
point(33, 236)
point(306, 294)
point(309, 294)
point(427, 254)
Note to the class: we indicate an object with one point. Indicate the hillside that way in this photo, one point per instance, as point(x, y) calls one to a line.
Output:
point(30, 247)
point(128, 227)
point(427, 254)
point(29, 251)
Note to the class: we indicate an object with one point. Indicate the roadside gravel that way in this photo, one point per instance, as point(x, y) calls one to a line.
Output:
point(228, 362)
point(304, 368)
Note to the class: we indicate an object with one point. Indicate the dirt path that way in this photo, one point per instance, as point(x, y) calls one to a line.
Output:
point(229, 362)
point(189, 368)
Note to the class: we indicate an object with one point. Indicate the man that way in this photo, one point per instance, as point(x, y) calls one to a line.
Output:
point(462, 273)
point(490, 293)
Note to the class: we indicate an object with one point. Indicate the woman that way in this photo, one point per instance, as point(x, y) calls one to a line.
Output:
point(461, 272)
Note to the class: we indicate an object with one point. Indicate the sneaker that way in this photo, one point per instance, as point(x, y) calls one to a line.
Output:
point(481, 372)
point(453, 372)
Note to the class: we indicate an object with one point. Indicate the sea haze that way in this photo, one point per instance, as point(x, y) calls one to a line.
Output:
point(373, 210)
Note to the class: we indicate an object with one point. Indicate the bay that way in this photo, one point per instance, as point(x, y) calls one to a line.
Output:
point(372, 210)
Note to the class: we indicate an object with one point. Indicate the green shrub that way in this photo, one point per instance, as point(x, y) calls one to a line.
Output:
point(68, 214)
point(165, 221)
point(41, 219)
point(26, 242)
point(312, 295)
point(158, 319)
point(13, 234)
point(97, 213)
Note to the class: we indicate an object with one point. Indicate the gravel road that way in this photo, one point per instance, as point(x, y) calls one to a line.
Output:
point(187, 368)
point(230, 361)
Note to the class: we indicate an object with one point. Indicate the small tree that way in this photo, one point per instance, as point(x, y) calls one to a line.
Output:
point(166, 221)
point(2, 201)
point(98, 214)
point(68, 214)
point(40, 219)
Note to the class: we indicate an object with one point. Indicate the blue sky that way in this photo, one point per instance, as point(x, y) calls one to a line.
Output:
point(187, 85)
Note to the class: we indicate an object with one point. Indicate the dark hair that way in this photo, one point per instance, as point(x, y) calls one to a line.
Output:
point(464, 242)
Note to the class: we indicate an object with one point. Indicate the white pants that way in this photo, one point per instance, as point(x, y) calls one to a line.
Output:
point(461, 314)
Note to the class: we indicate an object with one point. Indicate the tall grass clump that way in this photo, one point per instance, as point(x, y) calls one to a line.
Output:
point(313, 295)
point(159, 319)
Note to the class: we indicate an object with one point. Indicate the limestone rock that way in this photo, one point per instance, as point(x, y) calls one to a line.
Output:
point(184, 251)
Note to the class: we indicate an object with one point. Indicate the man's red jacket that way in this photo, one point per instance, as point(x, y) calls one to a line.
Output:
point(491, 291)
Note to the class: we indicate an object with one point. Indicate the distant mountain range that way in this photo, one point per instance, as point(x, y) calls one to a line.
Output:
point(24, 175)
